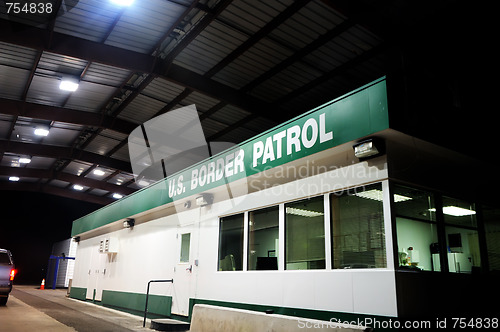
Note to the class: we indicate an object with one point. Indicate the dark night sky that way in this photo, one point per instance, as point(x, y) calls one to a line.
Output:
point(31, 223)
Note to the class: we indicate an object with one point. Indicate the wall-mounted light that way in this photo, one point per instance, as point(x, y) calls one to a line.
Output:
point(368, 148)
point(129, 223)
point(69, 84)
point(204, 199)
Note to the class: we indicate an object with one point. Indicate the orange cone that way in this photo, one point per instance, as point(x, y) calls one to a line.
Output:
point(42, 286)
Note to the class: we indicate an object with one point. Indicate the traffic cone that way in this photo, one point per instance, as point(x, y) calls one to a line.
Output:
point(42, 286)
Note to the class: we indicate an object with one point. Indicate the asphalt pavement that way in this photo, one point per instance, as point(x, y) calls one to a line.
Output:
point(32, 309)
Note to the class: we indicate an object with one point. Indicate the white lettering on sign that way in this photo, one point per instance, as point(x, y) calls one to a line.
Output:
point(294, 138)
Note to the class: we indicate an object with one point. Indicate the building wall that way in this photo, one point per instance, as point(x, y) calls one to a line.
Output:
point(151, 250)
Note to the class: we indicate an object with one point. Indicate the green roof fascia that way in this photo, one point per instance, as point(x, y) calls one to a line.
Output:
point(357, 114)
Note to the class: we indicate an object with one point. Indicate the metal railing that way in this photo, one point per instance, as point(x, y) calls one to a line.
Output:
point(147, 297)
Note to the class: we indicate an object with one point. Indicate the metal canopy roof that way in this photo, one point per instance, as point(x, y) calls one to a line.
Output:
point(247, 65)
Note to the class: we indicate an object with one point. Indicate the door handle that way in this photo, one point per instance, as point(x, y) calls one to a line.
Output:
point(190, 268)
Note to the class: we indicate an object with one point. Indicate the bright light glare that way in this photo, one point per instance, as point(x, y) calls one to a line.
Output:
point(77, 187)
point(14, 178)
point(68, 85)
point(41, 132)
point(456, 211)
point(123, 2)
point(117, 196)
point(99, 172)
point(24, 160)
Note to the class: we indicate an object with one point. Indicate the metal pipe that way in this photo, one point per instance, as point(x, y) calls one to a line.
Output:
point(147, 297)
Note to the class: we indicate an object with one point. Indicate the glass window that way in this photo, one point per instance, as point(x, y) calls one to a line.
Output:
point(185, 244)
point(263, 239)
point(417, 235)
point(462, 239)
point(358, 237)
point(491, 220)
point(305, 234)
point(231, 243)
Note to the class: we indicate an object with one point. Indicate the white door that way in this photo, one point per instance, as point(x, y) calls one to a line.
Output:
point(96, 274)
point(185, 271)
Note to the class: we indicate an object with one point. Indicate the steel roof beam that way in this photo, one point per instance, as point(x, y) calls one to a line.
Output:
point(68, 193)
point(62, 152)
point(67, 177)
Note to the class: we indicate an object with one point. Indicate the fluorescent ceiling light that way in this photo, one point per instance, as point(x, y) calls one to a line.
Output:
point(41, 132)
point(117, 196)
point(14, 178)
point(123, 2)
point(303, 213)
point(99, 172)
point(456, 211)
point(77, 187)
point(377, 195)
point(69, 85)
point(24, 160)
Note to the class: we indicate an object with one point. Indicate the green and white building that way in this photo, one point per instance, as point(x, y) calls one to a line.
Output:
point(293, 221)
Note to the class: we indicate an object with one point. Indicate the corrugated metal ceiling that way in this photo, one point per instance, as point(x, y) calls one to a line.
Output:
point(223, 56)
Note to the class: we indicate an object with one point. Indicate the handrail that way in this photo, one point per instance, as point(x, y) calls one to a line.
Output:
point(147, 297)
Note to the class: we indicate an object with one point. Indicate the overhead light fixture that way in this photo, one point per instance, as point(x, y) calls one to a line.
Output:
point(303, 212)
point(69, 84)
point(368, 148)
point(77, 187)
point(24, 160)
point(13, 178)
point(99, 172)
point(117, 196)
point(123, 2)
point(377, 195)
point(455, 211)
point(41, 131)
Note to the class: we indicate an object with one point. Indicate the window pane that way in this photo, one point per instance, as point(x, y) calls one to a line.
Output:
point(358, 239)
point(414, 203)
point(185, 243)
point(231, 243)
point(418, 246)
point(263, 239)
point(305, 234)
point(458, 212)
point(463, 249)
point(491, 219)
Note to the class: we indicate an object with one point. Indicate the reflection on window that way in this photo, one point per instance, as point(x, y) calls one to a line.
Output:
point(358, 238)
point(462, 239)
point(491, 220)
point(418, 246)
point(231, 243)
point(263, 239)
point(305, 234)
point(185, 244)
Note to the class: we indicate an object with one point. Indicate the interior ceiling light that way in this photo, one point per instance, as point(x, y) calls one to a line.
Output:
point(117, 196)
point(24, 160)
point(377, 195)
point(77, 187)
point(14, 178)
point(123, 2)
point(456, 211)
point(99, 172)
point(69, 84)
point(41, 132)
point(303, 213)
